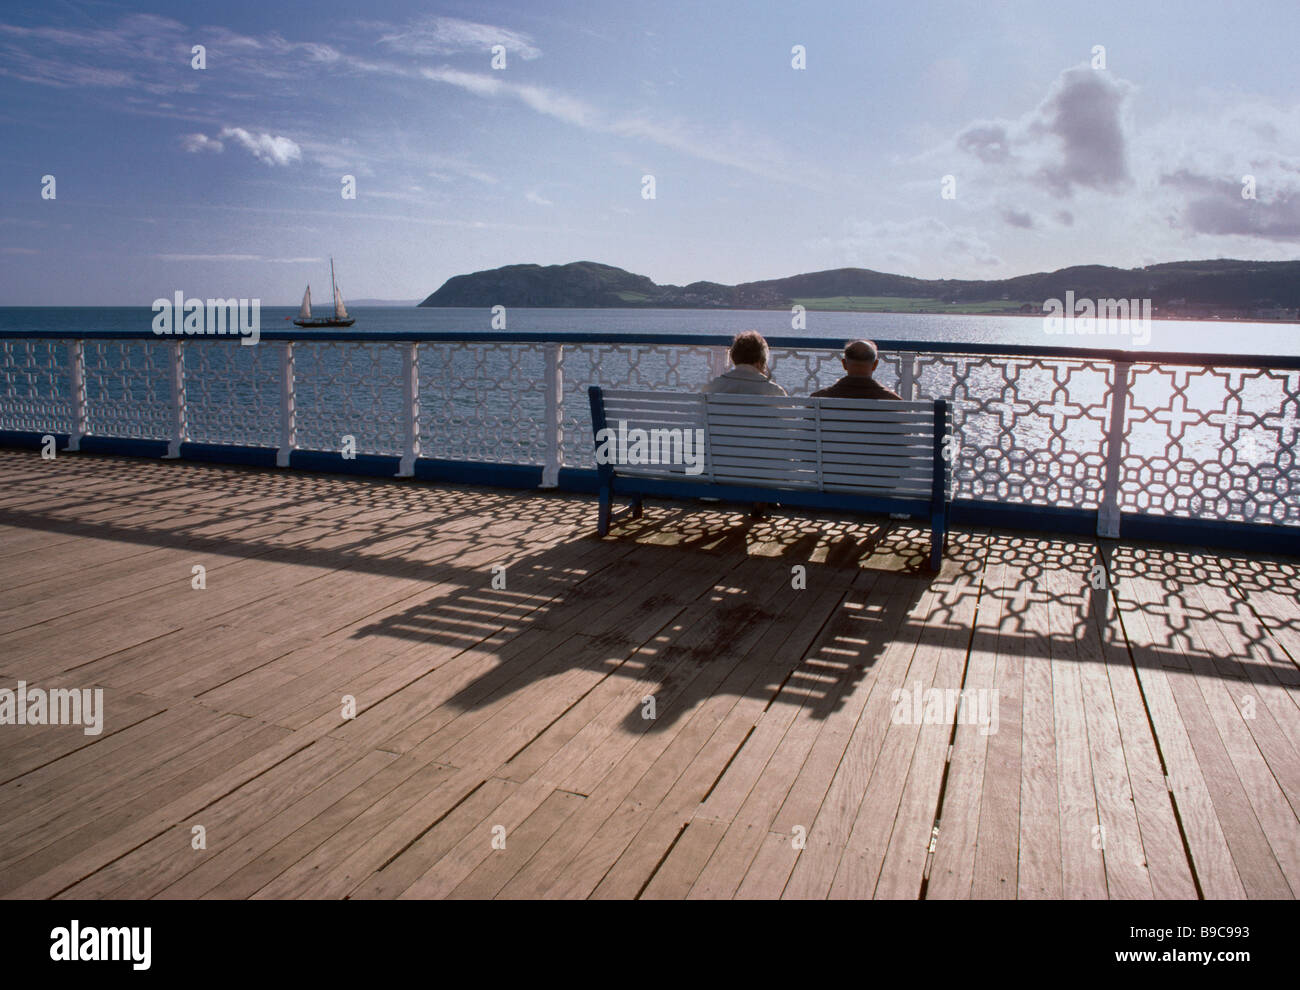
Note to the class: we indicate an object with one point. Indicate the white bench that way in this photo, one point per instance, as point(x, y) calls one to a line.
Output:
point(840, 454)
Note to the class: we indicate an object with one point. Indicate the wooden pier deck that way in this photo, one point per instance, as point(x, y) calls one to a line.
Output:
point(1146, 741)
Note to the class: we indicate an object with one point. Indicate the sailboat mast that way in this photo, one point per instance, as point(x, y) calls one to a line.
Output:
point(332, 288)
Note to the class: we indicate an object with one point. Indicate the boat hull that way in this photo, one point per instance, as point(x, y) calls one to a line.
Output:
point(312, 324)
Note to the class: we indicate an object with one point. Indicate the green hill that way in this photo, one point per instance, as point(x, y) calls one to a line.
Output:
point(1234, 287)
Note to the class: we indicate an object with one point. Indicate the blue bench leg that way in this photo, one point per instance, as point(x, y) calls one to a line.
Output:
point(938, 540)
point(606, 507)
point(636, 506)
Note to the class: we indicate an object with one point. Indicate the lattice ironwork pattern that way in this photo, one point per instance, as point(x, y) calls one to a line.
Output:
point(1029, 430)
point(804, 370)
point(128, 389)
point(480, 402)
point(35, 386)
point(1212, 443)
point(232, 392)
point(666, 366)
point(349, 388)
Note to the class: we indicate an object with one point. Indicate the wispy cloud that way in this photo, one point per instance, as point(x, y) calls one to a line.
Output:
point(450, 36)
point(757, 160)
point(236, 257)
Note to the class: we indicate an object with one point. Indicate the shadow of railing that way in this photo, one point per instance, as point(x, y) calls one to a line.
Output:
point(665, 599)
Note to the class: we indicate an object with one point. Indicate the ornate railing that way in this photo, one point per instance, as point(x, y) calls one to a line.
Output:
point(1111, 433)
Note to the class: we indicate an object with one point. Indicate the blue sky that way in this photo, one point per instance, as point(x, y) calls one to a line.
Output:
point(227, 180)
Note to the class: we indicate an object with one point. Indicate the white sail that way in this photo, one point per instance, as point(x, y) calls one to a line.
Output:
point(340, 311)
point(305, 312)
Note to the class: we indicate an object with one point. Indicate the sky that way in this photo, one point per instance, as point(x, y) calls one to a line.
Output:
point(937, 139)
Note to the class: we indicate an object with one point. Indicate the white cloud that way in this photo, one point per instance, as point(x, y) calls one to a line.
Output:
point(273, 149)
point(1075, 138)
point(200, 142)
point(1169, 189)
point(533, 196)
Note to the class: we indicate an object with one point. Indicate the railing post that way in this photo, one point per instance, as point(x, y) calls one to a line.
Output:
point(410, 408)
point(554, 415)
point(80, 423)
point(177, 361)
point(1108, 511)
point(288, 409)
point(907, 374)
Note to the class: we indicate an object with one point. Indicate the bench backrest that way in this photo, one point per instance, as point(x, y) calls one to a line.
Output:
point(863, 446)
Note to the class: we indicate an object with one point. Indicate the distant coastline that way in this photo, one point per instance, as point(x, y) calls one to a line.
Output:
point(1223, 290)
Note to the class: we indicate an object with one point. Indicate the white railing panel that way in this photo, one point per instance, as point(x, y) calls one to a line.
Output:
point(129, 389)
point(36, 389)
point(348, 388)
point(1029, 430)
point(232, 393)
point(1213, 443)
point(483, 402)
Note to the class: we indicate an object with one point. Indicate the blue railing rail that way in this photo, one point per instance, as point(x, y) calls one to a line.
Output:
point(1097, 511)
point(1279, 362)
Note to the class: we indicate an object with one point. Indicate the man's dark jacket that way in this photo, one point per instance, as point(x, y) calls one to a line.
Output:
point(856, 387)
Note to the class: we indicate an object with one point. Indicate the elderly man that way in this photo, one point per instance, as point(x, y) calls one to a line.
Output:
point(749, 354)
point(860, 361)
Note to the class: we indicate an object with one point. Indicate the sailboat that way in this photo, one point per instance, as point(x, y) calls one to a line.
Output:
point(340, 317)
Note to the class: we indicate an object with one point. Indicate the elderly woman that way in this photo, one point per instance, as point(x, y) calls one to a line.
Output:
point(749, 376)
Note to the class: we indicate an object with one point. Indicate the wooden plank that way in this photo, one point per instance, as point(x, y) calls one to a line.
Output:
point(353, 853)
point(487, 879)
point(1041, 853)
point(749, 795)
point(271, 863)
point(1268, 708)
point(953, 866)
point(902, 616)
point(154, 865)
point(599, 833)
point(852, 828)
point(636, 835)
point(1083, 842)
point(996, 867)
point(1212, 858)
point(1244, 794)
point(894, 845)
point(463, 831)
point(1119, 833)
point(673, 880)
point(60, 864)
point(225, 856)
